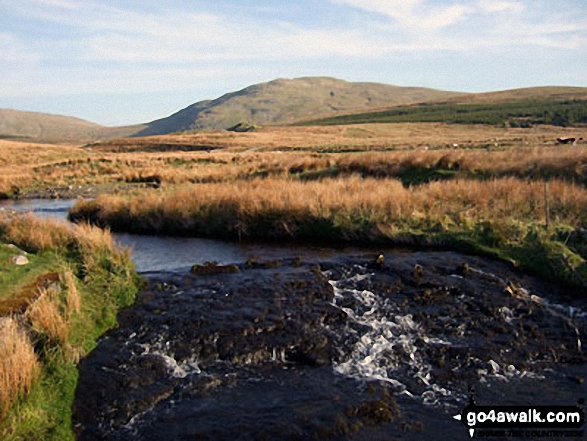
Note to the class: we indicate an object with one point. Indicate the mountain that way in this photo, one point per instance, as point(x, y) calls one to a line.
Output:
point(285, 101)
point(309, 99)
point(44, 127)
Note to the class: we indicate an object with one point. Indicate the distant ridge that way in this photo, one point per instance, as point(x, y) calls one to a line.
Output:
point(45, 127)
point(540, 93)
point(284, 101)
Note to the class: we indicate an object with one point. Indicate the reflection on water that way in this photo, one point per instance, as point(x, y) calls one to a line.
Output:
point(166, 253)
point(56, 209)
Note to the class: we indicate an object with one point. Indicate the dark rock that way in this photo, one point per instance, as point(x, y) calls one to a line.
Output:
point(213, 268)
point(242, 127)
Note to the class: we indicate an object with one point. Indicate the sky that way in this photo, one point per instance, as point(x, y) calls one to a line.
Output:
point(132, 61)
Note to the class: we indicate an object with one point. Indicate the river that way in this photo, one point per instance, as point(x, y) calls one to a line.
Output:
point(313, 343)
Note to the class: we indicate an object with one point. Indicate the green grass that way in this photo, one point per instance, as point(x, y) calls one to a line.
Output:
point(515, 114)
point(105, 279)
point(14, 279)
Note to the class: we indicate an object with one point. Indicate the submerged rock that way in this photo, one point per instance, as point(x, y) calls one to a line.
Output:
point(213, 268)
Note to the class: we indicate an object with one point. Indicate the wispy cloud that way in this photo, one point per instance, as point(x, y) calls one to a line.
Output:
point(501, 6)
point(413, 15)
point(481, 23)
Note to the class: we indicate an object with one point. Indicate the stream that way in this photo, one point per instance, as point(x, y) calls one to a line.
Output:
point(298, 343)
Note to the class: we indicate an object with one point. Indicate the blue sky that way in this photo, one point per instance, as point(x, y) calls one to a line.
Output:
point(129, 61)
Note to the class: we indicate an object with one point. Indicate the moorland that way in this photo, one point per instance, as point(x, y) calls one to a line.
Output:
point(493, 181)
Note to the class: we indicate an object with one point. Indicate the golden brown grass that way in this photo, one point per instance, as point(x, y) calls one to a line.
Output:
point(336, 138)
point(73, 299)
point(379, 150)
point(45, 317)
point(284, 204)
point(19, 366)
point(35, 234)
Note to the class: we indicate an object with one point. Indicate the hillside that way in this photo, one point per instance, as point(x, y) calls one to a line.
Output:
point(319, 100)
point(561, 106)
point(43, 127)
point(545, 93)
point(285, 101)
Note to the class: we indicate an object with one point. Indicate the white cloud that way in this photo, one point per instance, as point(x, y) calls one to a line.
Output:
point(414, 15)
point(63, 4)
point(14, 52)
point(501, 6)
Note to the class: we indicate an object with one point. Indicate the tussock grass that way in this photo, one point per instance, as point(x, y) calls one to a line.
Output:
point(73, 298)
point(35, 235)
point(281, 206)
point(19, 366)
point(377, 150)
point(46, 318)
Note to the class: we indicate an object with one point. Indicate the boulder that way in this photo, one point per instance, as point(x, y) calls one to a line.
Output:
point(20, 260)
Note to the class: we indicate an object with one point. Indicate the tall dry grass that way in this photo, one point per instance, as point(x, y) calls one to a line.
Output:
point(47, 318)
point(38, 234)
point(282, 205)
point(19, 366)
point(381, 150)
point(34, 234)
point(73, 300)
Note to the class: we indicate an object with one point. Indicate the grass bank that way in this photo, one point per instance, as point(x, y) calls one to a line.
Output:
point(52, 311)
point(504, 217)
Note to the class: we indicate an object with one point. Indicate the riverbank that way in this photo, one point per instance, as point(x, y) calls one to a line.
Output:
point(502, 218)
point(55, 304)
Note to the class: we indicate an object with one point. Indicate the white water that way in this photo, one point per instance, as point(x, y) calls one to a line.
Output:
point(391, 349)
point(390, 342)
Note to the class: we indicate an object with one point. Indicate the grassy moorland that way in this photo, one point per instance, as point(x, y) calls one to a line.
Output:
point(52, 311)
point(474, 187)
point(515, 114)
point(506, 192)
point(43, 127)
point(409, 152)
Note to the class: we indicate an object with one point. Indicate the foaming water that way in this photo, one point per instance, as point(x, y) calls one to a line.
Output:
point(399, 348)
point(390, 342)
point(177, 369)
